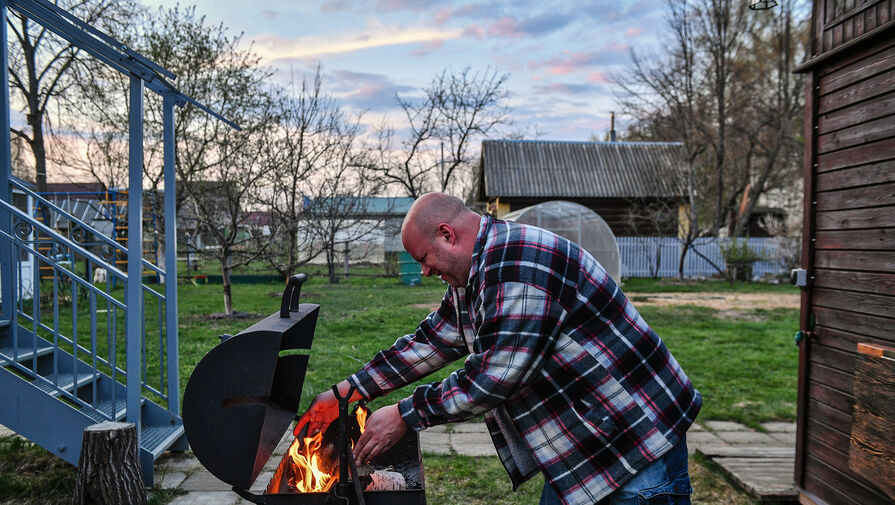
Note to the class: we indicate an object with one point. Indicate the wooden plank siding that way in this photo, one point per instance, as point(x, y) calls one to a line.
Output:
point(850, 220)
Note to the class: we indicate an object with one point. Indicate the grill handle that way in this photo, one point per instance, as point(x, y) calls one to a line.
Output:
point(291, 295)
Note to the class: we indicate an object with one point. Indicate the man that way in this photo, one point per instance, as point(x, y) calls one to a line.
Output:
point(571, 379)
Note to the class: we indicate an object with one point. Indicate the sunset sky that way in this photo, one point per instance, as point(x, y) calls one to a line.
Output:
point(560, 55)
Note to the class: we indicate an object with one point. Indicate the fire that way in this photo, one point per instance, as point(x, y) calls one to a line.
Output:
point(309, 476)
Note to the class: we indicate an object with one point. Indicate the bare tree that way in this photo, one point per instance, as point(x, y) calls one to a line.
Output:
point(39, 69)
point(456, 110)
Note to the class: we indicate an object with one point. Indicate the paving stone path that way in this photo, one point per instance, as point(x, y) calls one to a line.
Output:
point(760, 462)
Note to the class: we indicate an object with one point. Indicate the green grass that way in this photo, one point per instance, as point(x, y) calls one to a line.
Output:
point(743, 362)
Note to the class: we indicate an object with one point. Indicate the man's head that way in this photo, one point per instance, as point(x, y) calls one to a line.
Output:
point(439, 232)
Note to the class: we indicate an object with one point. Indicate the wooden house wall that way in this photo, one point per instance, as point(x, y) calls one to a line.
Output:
point(850, 207)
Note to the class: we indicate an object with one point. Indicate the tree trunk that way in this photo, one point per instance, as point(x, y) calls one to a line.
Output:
point(109, 468)
point(225, 281)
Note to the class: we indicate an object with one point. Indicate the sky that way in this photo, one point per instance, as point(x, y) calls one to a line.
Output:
point(560, 56)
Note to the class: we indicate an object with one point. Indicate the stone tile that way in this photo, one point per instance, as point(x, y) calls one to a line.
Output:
point(747, 438)
point(471, 428)
point(786, 438)
point(473, 444)
point(207, 498)
point(438, 443)
point(170, 480)
point(696, 427)
point(701, 438)
point(775, 427)
point(435, 429)
point(203, 480)
point(261, 482)
point(725, 426)
point(179, 462)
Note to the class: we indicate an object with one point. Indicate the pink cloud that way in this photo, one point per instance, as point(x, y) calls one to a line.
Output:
point(633, 31)
point(474, 31)
point(598, 77)
point(505, 27)
point(428, 47)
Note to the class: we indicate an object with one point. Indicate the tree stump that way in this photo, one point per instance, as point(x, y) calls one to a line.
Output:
point(109, 467)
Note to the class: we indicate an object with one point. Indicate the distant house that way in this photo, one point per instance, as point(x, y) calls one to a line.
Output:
point(617, 180)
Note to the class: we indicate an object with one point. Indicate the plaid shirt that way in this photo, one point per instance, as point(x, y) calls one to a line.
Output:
point(554, 353)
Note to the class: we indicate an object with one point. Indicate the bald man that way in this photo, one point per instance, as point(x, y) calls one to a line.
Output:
point(572, 381)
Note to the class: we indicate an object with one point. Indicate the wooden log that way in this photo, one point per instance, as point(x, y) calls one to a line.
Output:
point(872, 453)
point(109, 467)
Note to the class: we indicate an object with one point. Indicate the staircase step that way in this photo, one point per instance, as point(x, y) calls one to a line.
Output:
point(157, 439)
point(65, 382)
point(105, 406)
point(24, 353)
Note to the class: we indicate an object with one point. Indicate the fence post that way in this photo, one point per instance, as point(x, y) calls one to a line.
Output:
point(171, 333)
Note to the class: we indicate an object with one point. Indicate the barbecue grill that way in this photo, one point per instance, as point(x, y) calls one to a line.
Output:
point(243, 396)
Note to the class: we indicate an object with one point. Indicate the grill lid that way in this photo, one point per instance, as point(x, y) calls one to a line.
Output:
point(243, 394)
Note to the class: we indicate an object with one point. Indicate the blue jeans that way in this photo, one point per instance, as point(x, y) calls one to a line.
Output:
point(665, 481)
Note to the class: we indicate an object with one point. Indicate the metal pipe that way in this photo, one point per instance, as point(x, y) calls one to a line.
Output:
point(171, 334)
point(7, 265)
point(134, 288)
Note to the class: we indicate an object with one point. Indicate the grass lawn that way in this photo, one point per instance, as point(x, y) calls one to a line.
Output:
point(743, 362)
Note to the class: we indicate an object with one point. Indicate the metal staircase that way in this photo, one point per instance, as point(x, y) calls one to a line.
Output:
point(64, 354)
point(74, 352)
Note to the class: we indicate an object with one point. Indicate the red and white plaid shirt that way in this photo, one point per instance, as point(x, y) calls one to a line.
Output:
point(554, 353)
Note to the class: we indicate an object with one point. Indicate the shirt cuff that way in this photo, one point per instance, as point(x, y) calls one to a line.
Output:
point(365, 385)
point(410, 415)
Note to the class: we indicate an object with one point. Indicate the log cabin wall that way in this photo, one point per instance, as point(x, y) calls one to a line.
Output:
point(850, 219)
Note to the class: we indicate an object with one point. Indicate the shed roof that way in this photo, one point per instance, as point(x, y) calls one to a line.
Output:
point(551, 169)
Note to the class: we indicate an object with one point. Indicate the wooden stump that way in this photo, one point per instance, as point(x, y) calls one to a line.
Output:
point(109, 468)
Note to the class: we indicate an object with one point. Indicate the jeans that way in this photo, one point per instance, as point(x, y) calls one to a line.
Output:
point(665, 481)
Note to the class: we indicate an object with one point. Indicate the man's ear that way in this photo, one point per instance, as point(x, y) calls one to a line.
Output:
point(446, 232)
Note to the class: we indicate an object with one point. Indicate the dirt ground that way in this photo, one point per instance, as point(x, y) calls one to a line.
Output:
point(719, 301)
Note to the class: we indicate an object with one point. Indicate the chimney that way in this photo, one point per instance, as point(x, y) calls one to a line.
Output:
point(612, 127)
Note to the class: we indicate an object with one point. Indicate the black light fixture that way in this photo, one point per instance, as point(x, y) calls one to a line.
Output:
point(760, 5)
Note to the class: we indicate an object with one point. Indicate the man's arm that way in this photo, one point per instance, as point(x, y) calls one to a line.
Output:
point(518, 326)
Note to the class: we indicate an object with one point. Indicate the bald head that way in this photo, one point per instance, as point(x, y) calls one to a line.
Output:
point(440, 232)
point(431, 209)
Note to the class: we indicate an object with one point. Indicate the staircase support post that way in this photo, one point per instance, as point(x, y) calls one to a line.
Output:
point(171, 255)
point(134, 291)
point(7, 263)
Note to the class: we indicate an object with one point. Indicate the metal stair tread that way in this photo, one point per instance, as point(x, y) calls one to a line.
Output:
point(105, 406)
point(23, 353)
point(156, 439)
point(65, 382)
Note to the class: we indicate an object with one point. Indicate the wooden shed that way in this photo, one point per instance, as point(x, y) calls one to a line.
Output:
point(845, 450)
point(621, 181)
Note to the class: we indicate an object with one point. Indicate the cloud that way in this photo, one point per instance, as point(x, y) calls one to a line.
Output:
point(367, 90)
point(336, 5)
point(428, 47)
point(514, 27)
point(570, 62)
point(633, 31)
point(275, 48)
point(401, 5)
point(567, 88)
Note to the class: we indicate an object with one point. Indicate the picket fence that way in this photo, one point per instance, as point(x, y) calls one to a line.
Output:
point(659, 256)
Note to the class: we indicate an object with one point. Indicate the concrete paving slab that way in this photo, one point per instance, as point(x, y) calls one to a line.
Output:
point(435, 429)
point(779, 427)
point(769, 479)
point(743, 451)
point(438, 443)
point(470, 428)
point(203, 480)
point(207, 498)
point(698, 438)
point(725, 426)
point(785, 437)
point(170, 480)
point(6, 432)
point(747, 438)
point(473, 444)
point(696, 427)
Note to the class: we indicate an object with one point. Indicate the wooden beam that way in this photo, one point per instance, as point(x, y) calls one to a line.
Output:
point(872, 443)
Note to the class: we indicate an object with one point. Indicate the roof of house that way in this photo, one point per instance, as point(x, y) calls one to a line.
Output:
point(554, 169)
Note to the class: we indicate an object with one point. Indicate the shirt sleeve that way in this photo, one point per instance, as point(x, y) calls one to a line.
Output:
point(435, 343)
point(518, 325)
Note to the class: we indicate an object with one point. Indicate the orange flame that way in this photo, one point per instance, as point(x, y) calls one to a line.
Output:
point(308, 476)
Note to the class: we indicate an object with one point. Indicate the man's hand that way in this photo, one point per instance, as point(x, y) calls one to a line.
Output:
point(384, 428)
point(323, 410)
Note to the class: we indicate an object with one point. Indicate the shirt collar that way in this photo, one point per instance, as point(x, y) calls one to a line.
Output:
point(480, 239)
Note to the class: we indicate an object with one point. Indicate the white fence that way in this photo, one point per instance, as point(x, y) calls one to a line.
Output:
point(659, 256)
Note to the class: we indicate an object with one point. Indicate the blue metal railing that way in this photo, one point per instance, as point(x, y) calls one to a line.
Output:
point(64, 310)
